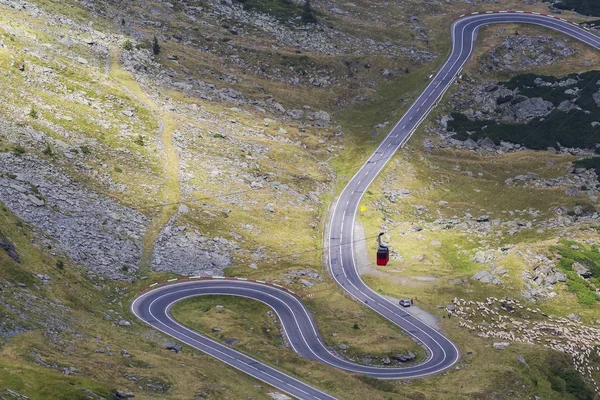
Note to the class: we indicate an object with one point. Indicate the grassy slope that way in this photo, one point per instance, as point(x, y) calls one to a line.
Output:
point(358, 122)
point(247, 321)
point(431, 178)
point(185, 374)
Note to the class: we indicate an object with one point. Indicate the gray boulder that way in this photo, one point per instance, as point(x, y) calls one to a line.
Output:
point(176, 347)
point(404, 357)
point(596, 97)
point(486, 143)
point(582, 270)
point(531, 108)
point(121, 394)
point(444, 121)
point(567, 105)
point(10, 248)
point(321, 118)
point(486, 277)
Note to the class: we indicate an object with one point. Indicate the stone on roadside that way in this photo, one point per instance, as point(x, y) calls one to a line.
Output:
point(173, 346)
point(279, 396)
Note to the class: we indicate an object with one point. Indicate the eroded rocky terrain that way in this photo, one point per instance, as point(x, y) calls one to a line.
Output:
point(220, 153)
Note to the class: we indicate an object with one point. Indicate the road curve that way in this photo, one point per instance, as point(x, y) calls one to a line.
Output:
point(153, 307)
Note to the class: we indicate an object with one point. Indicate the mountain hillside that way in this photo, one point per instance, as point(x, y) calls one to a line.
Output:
point(143, 140)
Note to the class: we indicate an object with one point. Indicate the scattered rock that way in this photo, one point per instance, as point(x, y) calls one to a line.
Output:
point(173, 346)
point(121, 394)
point(10, 248)
point(92, 229)
point(574, 317)
point(486, 277)
point(582, 270)
point(279, 396)
point(501, 345)
point(404, 357)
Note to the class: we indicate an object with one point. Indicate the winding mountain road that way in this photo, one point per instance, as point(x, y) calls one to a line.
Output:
point(153, 307)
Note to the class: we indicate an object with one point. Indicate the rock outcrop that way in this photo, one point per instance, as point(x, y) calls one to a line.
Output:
point(91, 228)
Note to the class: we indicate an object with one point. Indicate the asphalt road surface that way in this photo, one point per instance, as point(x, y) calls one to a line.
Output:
point(153, 307)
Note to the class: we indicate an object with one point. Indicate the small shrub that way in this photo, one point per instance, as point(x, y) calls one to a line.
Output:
point(33, 113)
point(48, 150)
point(140, 141)
point(308, 14)
point(128, 45)
point(118, 170)
point(356, 326)
point(218, 136)
point(60, 264)
point(155, 46)
point(84, 149)
point(18, 150)
point(564, 378)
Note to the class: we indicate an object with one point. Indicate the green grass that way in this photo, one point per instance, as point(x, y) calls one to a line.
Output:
point(589, 256)
point(48, 384)
point(257, 334)
point(88, 300)
point(283, 10)
point(565, 379)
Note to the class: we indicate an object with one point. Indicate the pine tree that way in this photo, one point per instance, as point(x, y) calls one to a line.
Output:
point(584, 8)
point(155, 46)
point(308, 14)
